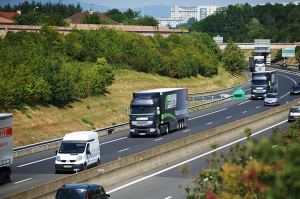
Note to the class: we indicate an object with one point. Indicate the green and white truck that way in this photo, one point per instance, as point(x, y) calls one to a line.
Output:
point(154, 112)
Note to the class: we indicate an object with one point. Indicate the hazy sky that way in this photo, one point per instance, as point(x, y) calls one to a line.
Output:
point(140, 3)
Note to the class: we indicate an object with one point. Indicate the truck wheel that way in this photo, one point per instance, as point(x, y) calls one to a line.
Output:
point(167, 129)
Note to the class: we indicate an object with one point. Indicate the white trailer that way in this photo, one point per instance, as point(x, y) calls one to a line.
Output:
point(6, 147)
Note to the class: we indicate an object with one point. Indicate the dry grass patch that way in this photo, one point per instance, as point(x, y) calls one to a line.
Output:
point(44, 123)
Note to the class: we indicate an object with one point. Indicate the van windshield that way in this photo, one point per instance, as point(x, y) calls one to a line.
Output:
point(71, 194)
point(259, 61)
point(72, 147)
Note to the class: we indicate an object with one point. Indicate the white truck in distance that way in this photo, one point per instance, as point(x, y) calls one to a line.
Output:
point(6, 147)
point(259, 63)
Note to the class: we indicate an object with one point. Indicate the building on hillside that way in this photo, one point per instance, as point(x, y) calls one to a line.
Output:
point(78, 17)
point(181, 15)
point(8, 17)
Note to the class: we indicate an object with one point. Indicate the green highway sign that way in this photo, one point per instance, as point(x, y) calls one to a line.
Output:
point(288, 52)
point(238, 94)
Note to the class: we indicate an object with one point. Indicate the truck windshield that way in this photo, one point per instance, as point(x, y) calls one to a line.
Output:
point(71, 194)
point(71, 147)
point(259, 62)
point(143, 110)
point(259, 83)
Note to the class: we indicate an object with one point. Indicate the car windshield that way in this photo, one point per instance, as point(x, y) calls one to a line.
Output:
point(259, 83)
point(295, 110)
point(71, 194)
point(296, 86)
point(72, 147)
point(143, 110)
point(271, 95)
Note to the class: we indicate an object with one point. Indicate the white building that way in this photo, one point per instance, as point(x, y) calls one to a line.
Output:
point(171, 22)
point(198, 12)
point(180, 15)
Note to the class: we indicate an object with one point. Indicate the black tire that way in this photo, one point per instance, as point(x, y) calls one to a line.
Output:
point(85, 166)
point(167, 129)
point(98, 162)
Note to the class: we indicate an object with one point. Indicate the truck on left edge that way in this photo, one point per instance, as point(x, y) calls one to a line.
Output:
point(6, 147)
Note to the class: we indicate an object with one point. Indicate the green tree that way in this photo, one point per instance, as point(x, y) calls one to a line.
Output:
point(147, 21)
point(92, 19)
point(116, 15)
point(233, 59)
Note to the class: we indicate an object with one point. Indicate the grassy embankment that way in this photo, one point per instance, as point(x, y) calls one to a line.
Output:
point(43, 123)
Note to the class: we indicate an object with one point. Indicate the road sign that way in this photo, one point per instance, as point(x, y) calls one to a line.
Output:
point(262, 45)
point(288, 52)
point(238, 94)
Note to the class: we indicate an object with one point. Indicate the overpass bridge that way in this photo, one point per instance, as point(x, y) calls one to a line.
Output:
point(273, 46)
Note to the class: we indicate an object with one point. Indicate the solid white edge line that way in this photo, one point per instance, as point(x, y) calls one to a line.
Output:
point(169, 197)
point(112, 141)
point(208, 114)
point(192, 159)
point(157, 139)
point(23, 165)
point(23, 181)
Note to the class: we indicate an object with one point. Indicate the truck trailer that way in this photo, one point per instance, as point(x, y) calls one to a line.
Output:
point(6, 147)
point(154, 112)
point(263, 83)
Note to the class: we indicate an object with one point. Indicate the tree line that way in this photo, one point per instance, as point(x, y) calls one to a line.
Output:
point(51, 68)
point(55, 14)
point(264, 168)
point(244, 23)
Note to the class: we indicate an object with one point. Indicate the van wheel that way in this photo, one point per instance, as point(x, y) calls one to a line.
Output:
point(85, 166)
point(98, 162)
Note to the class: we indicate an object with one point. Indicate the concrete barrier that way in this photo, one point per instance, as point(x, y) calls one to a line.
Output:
point(128, 167)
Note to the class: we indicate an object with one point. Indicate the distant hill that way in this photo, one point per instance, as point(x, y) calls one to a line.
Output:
point(157, 10)
point(153, 10)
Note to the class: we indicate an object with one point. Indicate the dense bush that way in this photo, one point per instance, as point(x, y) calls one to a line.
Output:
point(49, 67)
point(35, 70)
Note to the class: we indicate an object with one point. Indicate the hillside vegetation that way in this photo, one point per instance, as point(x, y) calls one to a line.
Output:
point(51, 68)
point(34, 124)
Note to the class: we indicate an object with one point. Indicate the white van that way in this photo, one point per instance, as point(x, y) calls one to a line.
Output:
point(78, 151)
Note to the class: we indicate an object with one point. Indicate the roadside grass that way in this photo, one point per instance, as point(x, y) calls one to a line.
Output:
point(48, 122)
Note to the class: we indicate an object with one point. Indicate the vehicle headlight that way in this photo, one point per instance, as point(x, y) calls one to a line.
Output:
point(79, 158)
point(57, 158)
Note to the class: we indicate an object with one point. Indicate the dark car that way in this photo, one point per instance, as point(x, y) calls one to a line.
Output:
point(81, 191)
point(295, 89)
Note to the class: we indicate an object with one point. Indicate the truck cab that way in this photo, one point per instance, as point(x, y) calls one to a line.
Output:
point(158, 111)
point(259, 63)
point(263, 83)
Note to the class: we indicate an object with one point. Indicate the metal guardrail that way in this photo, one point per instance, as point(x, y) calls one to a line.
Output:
point(110, 129)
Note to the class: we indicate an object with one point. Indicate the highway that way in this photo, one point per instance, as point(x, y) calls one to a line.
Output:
point(169, 181)
point(32, 170)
